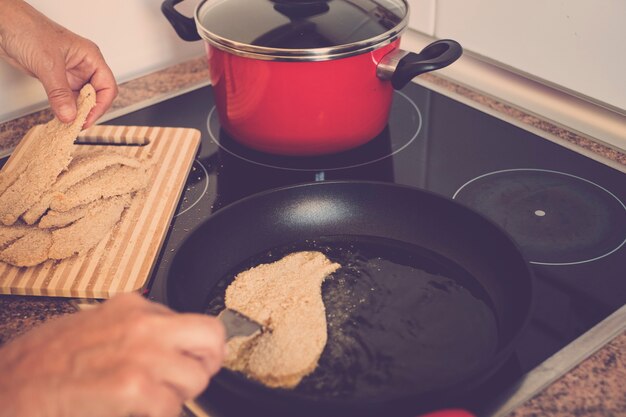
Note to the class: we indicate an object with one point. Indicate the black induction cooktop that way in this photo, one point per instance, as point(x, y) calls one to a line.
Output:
point(566, 212)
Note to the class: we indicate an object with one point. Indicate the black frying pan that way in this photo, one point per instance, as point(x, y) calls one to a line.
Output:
point(428, 305)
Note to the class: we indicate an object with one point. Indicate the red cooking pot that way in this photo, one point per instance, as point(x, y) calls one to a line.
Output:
point(306, 77)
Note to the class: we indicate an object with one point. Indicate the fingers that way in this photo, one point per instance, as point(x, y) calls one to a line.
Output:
point(199, 336)
point(104, 83)
point(185, 374)
point(197, 332)
point(60, 96)
point(138, 394)
point(195, 335)
point(163, 403)
point(104, 98)
point(128, 356)
point(62, 60)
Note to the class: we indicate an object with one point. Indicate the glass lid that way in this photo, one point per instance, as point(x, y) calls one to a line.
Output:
point(300, 27)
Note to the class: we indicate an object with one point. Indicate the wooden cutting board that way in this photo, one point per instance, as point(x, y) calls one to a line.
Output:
point(123, 261)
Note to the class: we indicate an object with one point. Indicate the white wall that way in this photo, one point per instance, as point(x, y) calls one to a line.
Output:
point(578, 45)
point(134, 36)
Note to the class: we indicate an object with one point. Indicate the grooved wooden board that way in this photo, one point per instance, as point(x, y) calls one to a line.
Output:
point(123, 260)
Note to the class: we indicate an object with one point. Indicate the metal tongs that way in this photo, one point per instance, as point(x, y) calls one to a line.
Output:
point(238, 324)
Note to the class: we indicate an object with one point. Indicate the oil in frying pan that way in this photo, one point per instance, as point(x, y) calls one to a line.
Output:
point(401, 319)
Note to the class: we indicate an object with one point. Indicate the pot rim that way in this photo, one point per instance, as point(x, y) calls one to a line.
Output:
point(301, 55)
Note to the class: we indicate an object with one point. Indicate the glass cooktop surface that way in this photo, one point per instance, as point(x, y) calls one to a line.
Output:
point(566, 212)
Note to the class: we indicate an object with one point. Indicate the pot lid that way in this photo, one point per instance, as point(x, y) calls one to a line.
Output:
point(300, 28)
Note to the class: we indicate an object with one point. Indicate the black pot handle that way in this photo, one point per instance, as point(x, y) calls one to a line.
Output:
point(297, 9)
point(437, 55)
point(184, 26)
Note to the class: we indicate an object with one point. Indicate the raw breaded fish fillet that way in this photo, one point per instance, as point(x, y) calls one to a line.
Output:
point(109, 182)
point(86, 232)
point(47, 162)
point(82, 166)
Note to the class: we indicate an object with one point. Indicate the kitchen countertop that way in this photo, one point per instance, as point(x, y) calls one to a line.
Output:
point(593, 388)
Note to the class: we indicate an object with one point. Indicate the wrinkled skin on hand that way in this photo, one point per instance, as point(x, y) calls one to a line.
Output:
point(126, 357)
point(60, 59)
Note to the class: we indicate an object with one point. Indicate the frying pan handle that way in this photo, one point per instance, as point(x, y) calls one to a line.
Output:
point(401, 67)
point(184, 26)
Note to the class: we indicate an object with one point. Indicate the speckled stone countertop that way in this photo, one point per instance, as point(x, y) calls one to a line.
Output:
point(596, 387)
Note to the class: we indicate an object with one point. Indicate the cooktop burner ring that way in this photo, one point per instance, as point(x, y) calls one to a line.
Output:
point(402, 111)
point(203, 178)
point(488, 196)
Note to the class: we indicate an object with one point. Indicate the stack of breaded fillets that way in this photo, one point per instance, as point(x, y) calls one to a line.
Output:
point(56, 203)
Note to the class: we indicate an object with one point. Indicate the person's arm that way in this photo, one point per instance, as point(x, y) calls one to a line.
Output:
point(126, 357)
point(60, 59)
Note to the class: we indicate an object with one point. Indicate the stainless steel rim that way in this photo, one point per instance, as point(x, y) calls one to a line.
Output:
point(313, 54)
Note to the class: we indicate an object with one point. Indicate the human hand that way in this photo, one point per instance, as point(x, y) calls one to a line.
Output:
point(60, 59)
point(126, 357)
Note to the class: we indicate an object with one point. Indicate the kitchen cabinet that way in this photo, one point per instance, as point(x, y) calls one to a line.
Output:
point(422, 17)
point(575, 45)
